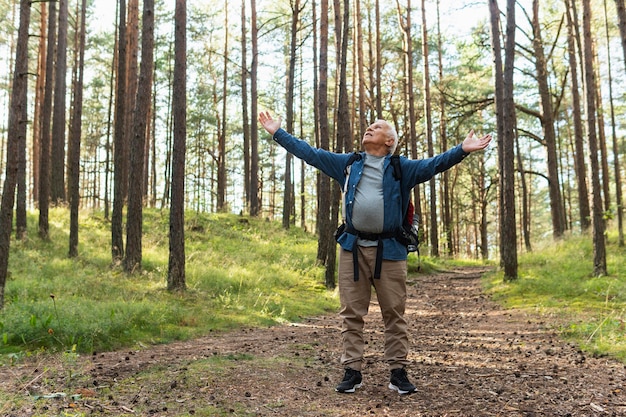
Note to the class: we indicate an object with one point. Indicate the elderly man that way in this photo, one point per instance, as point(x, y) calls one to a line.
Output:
point(375, 201)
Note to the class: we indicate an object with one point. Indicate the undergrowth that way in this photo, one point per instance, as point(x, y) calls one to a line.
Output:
point(556, 279)
point(239, 272)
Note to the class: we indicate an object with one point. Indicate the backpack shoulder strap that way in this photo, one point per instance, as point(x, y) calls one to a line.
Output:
point(397, 169)
point(355, 156)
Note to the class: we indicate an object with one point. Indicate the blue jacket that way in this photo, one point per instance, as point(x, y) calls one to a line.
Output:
point(413, 172)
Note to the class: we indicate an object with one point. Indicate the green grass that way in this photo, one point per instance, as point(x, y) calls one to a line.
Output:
point(239, 272)
point(557, 280)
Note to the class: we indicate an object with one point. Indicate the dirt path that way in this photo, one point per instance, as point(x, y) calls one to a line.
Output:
point(469, 358)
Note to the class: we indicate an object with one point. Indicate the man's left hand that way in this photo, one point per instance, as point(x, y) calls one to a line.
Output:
point(473, 143)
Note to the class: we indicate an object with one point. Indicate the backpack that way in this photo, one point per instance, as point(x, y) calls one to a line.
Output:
point(408, 234)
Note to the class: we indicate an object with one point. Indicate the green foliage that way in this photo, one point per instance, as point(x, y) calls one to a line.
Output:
point(557, 279)
point(240, 272)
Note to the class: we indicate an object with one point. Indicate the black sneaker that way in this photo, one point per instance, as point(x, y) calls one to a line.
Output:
point(351, 381)
point(400, 382)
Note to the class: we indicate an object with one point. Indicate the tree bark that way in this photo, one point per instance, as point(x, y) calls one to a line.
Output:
point(244, 106)
point(221, 151)
point(46, 115)
point(75, 138)
point(255, 205)
point(505, 115)
point(176, 266)
point(288, 197)
point(616, 153)
point(141, 116)
point(40, 88)
point(547, 122)
point(599, 245)
point(323, 181)
point(443, 134)
point(16, 133)
point(57, 174)
point(120, 146)
point(580, 166)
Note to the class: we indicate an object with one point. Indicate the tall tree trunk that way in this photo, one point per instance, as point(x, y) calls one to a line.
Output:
point(108, 148)
point(445, 181)
point(316, 110)
point(16, 134)
point(599, 245)
point(434, 226)
point(57, 174)
point(46, 117)
point(363, 111)
point(580, 166)
point(176, 266)
point(244, 106)
point(40, 87)
point(20, 204)
point(221, 151)
point(509, 237)
point(344, 140)
point(288, 198)
point(547, 122)
point(616, 154)
point(379, 65)
point(409, 92)
point(525, 198)
point(75, 138)
point(141, 116)
point(120, 146)
point(255, 205)
point(605, 176)
point(323, 181)
point(505, 114)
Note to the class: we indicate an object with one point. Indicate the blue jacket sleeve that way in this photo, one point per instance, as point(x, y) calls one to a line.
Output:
point(418, 171)
point(330, 163)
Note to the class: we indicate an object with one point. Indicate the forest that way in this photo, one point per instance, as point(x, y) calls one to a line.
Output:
point(154, 105)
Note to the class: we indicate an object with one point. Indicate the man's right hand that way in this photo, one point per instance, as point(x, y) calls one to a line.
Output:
point(269, 124)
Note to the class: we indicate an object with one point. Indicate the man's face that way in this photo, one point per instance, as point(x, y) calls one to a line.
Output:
point(377, 136)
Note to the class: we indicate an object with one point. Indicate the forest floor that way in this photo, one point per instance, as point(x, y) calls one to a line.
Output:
point(469, 357)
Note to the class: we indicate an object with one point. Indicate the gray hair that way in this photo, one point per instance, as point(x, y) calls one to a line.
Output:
point(392, 133)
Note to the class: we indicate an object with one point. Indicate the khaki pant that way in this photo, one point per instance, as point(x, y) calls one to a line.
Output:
point(355, 300)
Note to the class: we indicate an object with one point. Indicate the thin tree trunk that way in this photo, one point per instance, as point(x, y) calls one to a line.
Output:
point(255, 205)
point(221, 151)
point(46, 118)
point(244, 106)
point(525, 198)
point(40, 87)
point(344, 136)
point(323, 191)
point(405, 27)
point(547, 122)
point(579, 165)
point(616, 164)
point(75, 138)
point(434, 224)
point(120, 145)
point(288, 198)
point(141, 116)
point(108, 149)
point(599, 245)
point(445, 182)
point(362, 113)
point(379, 65)
point(605, 176)
point(57, 174)
point(176, 266)
point(505, 110)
